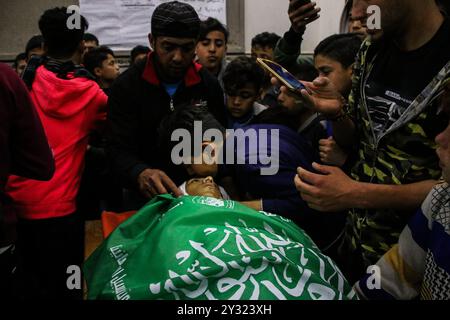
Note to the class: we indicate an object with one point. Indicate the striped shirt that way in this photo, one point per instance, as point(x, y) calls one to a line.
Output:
point(419, 265)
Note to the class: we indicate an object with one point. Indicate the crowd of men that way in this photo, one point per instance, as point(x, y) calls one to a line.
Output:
point(364, 149)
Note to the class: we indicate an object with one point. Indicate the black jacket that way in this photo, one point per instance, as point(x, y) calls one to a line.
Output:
point(137, 105)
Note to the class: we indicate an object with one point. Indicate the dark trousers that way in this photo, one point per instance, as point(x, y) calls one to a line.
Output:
point(46, 248)
point(8, 263)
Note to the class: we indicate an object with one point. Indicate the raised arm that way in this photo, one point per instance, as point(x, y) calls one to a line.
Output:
point(287, 50)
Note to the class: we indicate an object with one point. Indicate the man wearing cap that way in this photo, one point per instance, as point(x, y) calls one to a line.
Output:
point(149, 91)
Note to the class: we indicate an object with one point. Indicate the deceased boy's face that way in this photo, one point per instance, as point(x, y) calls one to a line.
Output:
point(203, 187)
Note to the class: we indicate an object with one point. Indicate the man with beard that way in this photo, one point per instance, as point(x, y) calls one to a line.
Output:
point(149, 91)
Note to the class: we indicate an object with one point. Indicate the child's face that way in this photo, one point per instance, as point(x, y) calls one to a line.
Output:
point(340, 76)
point(203, 187)
point(240, 103)
point(109, 70)
point(443, 140)
point(262, 52)
point(21, 65)
point(211, 50)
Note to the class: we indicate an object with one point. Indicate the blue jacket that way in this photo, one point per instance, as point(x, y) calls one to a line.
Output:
point(278, 192)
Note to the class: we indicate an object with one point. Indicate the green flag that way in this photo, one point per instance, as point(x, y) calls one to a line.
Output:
point(205, 248)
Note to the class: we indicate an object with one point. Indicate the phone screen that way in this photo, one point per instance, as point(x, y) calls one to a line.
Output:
point(284, 74)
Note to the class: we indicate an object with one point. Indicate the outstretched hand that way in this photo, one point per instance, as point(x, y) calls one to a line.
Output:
point(153, 182)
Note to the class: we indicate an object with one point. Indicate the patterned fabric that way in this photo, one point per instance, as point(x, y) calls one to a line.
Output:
point(420, 264)
point(403, 154)
point(204, 248)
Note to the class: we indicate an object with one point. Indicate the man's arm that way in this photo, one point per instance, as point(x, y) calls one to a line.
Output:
point(287, 49)
point(332, 190)
point(31, 156)
point(323, 97)
point(253, 204)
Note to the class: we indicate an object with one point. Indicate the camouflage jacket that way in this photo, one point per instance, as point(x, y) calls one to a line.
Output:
point(405, 153)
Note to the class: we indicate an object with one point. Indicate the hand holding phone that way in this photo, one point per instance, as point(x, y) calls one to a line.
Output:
point(302, 13)
point(284, 76)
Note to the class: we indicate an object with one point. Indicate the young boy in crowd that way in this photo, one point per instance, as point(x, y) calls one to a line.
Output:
point(70, 105)
point(334, 58)
point(263, 46)
point(34, 47)
point(20, 63)
point(90, 42)
point(102, 64)
point(138, 53)
point(243, 80)
point(308, 122)
point(212, 47)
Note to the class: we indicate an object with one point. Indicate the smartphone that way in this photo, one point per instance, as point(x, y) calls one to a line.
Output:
point(289, 80)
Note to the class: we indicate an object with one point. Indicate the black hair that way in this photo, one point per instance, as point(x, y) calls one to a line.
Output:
point(304, 71)
point(266, 39)
point(20, 56)
point(95, 57)
point(241, 72)
point(340, 47)
point(61, 41)
point(137, 51)
point(183, 118)
point(33, 43)
point(212, 24)
point(91, 37)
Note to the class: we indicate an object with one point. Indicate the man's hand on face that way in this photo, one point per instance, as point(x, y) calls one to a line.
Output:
point(323, 96)
point(153, 182)
point(300, 17)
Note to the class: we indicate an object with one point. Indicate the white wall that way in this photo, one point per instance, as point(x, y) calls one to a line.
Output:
point(271, 15)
